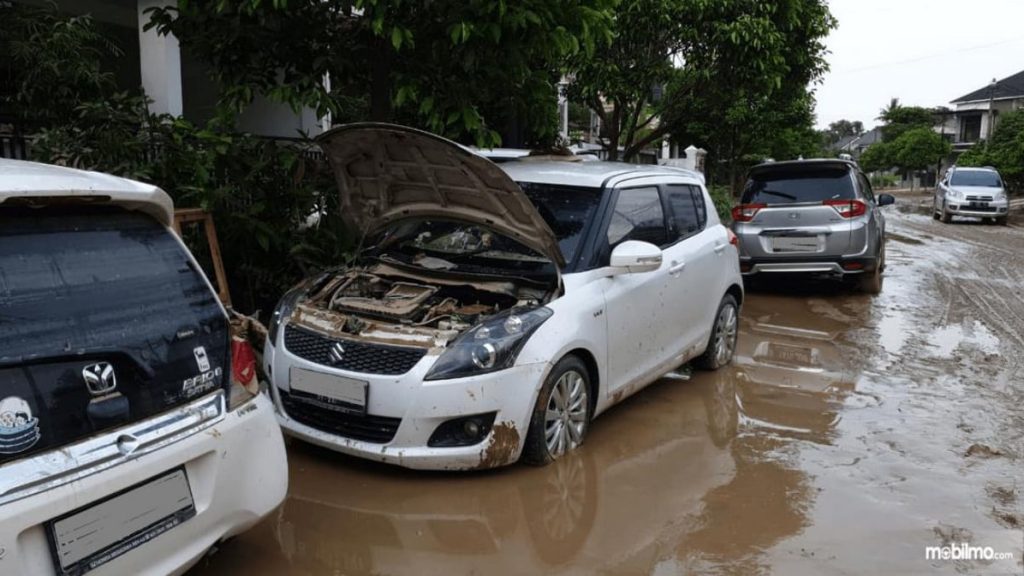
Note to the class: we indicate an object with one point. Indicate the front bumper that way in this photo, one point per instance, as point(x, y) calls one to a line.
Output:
point(422, 406)
point(237, 472)
point(993, 209)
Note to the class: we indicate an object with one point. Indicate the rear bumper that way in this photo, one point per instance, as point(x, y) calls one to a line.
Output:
point(808, 265)
point(237, 473)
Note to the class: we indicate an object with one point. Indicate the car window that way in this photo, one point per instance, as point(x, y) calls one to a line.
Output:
point(688, 212)
point(865, 187)
point(566, 210)
point(638, 215)
point(984, 178)
point(799, 184)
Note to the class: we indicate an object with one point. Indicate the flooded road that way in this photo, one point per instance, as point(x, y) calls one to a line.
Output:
point(849, 434)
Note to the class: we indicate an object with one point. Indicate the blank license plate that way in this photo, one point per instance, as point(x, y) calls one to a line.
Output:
point(336, 392)
point(86, 539)
point(796, 243)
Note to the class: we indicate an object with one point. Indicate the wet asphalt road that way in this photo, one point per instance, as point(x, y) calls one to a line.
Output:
point(849, 434)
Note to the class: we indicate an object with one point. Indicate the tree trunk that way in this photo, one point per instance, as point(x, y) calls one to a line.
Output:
point(614, 131)
point(380, 83)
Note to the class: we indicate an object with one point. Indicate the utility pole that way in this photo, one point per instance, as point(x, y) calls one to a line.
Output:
point(991, 111)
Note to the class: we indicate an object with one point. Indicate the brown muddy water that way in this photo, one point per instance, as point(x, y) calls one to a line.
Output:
point(849, 434)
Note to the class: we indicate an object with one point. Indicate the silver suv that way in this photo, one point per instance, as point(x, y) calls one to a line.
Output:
point(812, 217)
point(971, 192)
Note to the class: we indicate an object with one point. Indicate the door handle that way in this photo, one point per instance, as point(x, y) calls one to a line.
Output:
point(719, 248)
point(677, 267)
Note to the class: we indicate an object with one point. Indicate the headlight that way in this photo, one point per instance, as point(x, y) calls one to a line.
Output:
point(490, 346)
point(283, 310)
point(954, 193)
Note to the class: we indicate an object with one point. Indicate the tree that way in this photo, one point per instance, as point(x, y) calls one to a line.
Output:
point(899, 119)
point(697, 67)
point(844, 128)
point(464, 69)
point(1005, 151)
point(919, 149)
point(877, 157)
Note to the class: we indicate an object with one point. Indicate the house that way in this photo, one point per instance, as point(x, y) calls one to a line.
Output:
point(177, 83)
point(856, 145)
point(977, 113)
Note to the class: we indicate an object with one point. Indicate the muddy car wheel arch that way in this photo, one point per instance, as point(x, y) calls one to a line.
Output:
point(569, 371)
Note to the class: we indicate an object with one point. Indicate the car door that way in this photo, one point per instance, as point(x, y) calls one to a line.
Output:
point(696, 288)
point(639, 335)
point(877, 221)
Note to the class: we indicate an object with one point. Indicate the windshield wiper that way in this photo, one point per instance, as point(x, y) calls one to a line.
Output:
point(779, 194)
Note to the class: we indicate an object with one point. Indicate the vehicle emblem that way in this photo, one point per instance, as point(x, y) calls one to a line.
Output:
point(336, 354)
point(19, 429)
point(794, 215)
point(99, 378)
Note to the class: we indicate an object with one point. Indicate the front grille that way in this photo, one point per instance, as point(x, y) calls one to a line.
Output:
point(979, 198)
point(306, 409)
point(979, 208)
point(357, 356)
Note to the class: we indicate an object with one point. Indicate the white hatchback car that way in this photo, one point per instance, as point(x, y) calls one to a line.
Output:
point(126, 444)
point(492, 311)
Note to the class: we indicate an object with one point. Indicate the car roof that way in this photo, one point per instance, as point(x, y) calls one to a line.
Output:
point(810, 163)
point(974, 169)
point(586, 174)
point(22, 179)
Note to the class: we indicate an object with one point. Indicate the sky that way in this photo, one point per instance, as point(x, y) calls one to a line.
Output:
point(924, 52)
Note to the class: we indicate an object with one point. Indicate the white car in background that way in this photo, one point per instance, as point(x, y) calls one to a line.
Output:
point(126, 444)
point(494, 310)
point(977, 192)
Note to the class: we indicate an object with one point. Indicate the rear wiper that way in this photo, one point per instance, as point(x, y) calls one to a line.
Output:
point(779, 194)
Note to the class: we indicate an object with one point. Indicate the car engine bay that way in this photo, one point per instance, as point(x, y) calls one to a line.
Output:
point(385, 304)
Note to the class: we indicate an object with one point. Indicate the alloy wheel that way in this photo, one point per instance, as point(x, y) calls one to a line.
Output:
point(565, 419)
point(725, 334)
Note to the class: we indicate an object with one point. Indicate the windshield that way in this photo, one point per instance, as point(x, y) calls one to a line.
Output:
point(566, 210)
point(799, 185)
point(985, 178)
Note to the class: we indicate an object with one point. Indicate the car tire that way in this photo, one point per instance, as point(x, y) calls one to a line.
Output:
point(946, 216)
point(871, 283)
point(1001, 221)
point(561, 416)
point(936, 213)
point(724, 332)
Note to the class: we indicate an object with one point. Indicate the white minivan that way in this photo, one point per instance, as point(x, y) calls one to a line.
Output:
point(493, 310)
point(126, 444)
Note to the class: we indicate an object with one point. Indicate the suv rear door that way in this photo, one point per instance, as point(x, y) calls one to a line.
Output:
point(798, 210)
point(104, 320)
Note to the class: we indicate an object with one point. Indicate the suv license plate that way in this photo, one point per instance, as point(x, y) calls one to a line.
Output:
point(796, 243)
point(333, 392)
point(90, 537)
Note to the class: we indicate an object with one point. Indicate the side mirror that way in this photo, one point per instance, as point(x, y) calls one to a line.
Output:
point(634, 256)
point(886, 199)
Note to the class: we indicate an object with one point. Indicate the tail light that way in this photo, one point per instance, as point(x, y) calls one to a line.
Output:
point(245, 384)
point(847, 208)
point(733, 239)
point(746, 212)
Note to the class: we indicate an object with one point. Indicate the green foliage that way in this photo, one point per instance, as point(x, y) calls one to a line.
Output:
point(842, 129)
point(919, 148)
point(884, 180)
point(724, 201)
point(900, 119)
point(878, 156)
point(53, 63)
point(1005, 151)
point(260, 192)
point(731, 73)
point(463, 69)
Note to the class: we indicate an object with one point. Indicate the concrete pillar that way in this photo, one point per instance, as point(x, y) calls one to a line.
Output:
point(160, 61)
point(563, 111)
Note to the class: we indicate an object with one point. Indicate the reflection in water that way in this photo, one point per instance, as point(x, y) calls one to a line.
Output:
point(686, 476)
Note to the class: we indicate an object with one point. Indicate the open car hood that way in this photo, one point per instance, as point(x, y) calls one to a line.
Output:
point(387, 173)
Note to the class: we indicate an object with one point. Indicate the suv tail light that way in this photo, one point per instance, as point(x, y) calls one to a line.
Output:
point(847, 208)
point(746, 212)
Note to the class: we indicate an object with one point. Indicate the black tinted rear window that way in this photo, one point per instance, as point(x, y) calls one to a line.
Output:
point(95, 280)
point(802, 185)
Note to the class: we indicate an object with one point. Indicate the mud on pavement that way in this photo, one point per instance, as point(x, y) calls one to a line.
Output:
point(850, 434)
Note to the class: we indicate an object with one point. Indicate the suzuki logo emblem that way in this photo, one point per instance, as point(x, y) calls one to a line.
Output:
point(99, 378)
point(337, 353)
point(794, 215)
